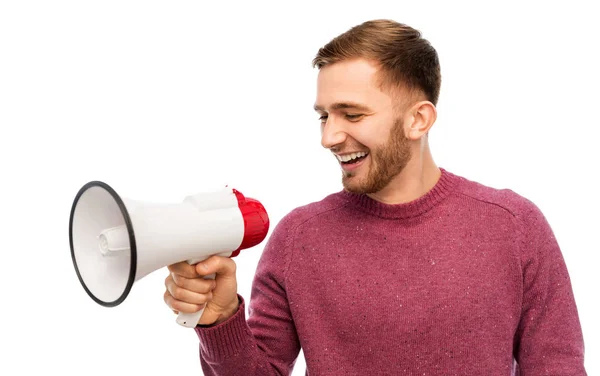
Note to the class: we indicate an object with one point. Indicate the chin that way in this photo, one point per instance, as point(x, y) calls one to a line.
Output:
point(365, 183)
point(355, 184)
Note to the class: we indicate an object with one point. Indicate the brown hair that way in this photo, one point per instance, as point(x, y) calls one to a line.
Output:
point(406, 59)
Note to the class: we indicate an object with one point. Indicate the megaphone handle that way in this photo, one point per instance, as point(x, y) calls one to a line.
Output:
point(190, 320)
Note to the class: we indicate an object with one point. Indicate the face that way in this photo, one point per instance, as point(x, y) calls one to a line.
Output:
point(360, 126)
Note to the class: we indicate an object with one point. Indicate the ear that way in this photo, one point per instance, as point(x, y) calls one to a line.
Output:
point(419, 119)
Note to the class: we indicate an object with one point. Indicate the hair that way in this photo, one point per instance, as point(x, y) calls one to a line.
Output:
point(405, 59)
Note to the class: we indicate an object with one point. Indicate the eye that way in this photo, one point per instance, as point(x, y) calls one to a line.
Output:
point(354, 117)
point(323, 118)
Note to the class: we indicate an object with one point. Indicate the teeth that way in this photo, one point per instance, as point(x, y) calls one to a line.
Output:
point(351, 156)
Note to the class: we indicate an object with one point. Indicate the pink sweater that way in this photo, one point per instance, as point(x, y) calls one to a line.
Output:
point(466, 280)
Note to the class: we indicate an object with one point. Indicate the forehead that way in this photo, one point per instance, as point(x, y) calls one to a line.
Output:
point(350, 81)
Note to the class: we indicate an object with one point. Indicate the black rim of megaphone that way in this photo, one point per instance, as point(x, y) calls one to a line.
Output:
point(132, 246)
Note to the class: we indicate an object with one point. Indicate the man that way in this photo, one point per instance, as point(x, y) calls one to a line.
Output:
point(410, 269)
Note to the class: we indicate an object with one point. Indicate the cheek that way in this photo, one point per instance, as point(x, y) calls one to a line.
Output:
point(369, 139)
point(375, 131)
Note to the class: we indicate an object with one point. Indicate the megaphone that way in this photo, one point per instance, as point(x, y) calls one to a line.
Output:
point(116, 241)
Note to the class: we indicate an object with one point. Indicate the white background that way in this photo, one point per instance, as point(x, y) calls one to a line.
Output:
point(161, 99)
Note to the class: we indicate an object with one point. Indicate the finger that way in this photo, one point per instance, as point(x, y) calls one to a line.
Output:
point(224, 266)
point(183, 269)
point(199, 285)
point(186, 296)
point(167, 299)
point(178, 306)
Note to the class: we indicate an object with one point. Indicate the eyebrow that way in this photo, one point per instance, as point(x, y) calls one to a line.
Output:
point(343, 105)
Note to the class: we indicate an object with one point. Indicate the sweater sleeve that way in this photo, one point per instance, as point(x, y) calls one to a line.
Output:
point(549, 339)
point(266, 342)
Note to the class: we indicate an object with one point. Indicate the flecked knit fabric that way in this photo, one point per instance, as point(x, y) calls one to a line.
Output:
point(465, 280)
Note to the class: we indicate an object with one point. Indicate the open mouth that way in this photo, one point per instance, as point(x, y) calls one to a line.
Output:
point(353, 158)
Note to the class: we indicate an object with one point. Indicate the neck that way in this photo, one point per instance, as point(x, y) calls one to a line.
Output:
point(416, 179)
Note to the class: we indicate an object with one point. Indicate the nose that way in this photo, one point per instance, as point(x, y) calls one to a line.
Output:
point(332, 133)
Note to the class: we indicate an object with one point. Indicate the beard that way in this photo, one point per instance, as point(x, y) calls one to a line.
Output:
point(387, 161)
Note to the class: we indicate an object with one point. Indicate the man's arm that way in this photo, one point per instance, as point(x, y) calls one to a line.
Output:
point(266, 343)
point(549, 339)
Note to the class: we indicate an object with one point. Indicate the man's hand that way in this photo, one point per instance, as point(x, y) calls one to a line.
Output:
point(187, 292)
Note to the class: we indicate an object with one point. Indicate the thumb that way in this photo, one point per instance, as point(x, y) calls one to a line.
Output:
point(220, 265)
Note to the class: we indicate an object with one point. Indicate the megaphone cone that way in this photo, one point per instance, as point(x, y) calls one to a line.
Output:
point(117, 241)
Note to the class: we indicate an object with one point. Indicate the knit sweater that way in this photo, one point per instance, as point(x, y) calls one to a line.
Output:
point(465, 280)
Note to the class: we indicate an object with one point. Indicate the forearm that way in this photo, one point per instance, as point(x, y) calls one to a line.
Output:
point(230, 348)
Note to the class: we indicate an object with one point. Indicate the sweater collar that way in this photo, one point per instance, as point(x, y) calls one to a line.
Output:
point(435, 195)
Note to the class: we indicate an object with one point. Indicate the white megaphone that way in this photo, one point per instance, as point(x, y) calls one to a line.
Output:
point(116, 241)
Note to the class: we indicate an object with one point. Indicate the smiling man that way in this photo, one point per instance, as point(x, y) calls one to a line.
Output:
point(410, 269)
point(363, 125)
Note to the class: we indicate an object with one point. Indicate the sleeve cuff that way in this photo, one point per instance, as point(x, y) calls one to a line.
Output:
point(224, 339)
